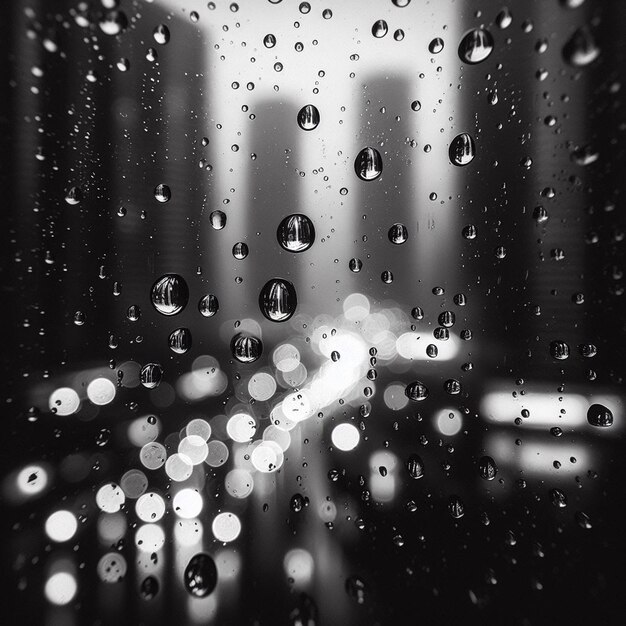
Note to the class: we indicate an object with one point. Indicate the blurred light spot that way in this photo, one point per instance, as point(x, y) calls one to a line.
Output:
point(267, 457)
point(281, 437)
point(383, 470)
point(356, 307)
point(199, 427)
point(110, 498)
point(178, 467)
point(143, 430)
point(112, 567)
point(101, 391)
point(60, 588)
point(111, 528)
point(194, 448)
point(345, 437)
point(449, 422)
point(133, 483)
point(187, 503)
point(293, 378)
point(241, 427)
point(327, 511)
point(218, 453)
point(262, 386)
point(239, 483)
point(226, 527)
point(150, 507)
point(286, 358)
point(298, 564)
point(202, 610)
point(228, 564)
point(153, 455)
point(394, 396)
point(149, 538)
point(64, 401)
point(280, 420)
point(188, 532)
point(61, 526)
point(32, 480)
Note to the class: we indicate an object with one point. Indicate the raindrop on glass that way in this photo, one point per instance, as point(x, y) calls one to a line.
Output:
point(151, 375)
point(246, 348)
point(415, 466)
point(218, 220)
point(599, 415)
point(368, 164)
point(162, 193)
point(581, 48)
point(208, 305)
point(398, 234)
point(462, 150)
point(487, 468)
point(416, 391)
point(169, 294)
point(435, 46)
point(161, 34)
point(296, 233)
point(180, 340)
point(278, 300)
point(200, 577)
point(476, 46)
point(308, 117)
point(240, 250)
point(380, 29)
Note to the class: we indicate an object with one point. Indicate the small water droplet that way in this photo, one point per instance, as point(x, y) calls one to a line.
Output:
point(246, 348)
point(170, 294)
point(416, 391)
point(456, 507)
point(296, 233)
point(436, 45)
point(581, 48)
point(208, 305)
point(180, 340)
point(161, 34)
point(559, 350)
point(218, 220)
point(415, 466)
point(308, 117)
point(380, 28)
point(398, 234)
point(162, 193)
point(240, 250)
point(151, 375)
point(487, 468)
point(462, 150)
point(74, 196)
point(113, 22)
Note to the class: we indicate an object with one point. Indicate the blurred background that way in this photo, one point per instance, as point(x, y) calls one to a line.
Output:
point(330, 293)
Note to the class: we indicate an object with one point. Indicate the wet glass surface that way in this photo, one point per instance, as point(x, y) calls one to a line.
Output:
point(314, 313)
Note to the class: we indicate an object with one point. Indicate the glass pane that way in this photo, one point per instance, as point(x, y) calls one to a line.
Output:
point(315, 312)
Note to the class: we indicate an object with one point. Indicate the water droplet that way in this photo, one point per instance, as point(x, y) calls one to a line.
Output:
point(415, 466)
point(368, 164)
point(476, 46)
point(387, 277)
point(582, 519)
point(278, 300)
point(599, 415)
point(246, 348)
point(113, 22)
point(504, 18)
point(296, 233)
point(162, 193)
point(581, 48)
point(417, 313)
point(559, 350)
point(446, 319)
point(149, 588)
point(170, 294)
point(308, 117)
point(218, 220)
point(133, 313)
point(416, 391)
point(452, 386)
point(79, 318)
point(456, 507)
point(208, 305)
point(355, 265)
point(240, 250)
point(380, 28)
point(432, 351)
point(355, 588)
point(180, 340)
point(74, 196)
point(200, 577)
point(151, 375)
point(436, 45)
point(161, 34)
point(305, 613)
point(558, 498)
point(269, 41)
point(487, 468)
point(398, 234)
point(398, 34)
point(462, 150)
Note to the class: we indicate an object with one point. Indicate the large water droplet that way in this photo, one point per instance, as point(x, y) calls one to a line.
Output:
point(599, 415)
point(278, 300)
point(462, 150)
point(476, 46)
point(398, 234)
point(200, 577)
point(269, 41)
point(240, 250)
point(74, 195)
point(416, 391)
point(151, 375)
point(208, 305)
point(415, 466)
point(246, 348)
point(487, 468)
point(162, 193)
point(559, 350)
point(308, 117)
point(379, 28)
point(368, 164)
point(218, 220)
point(180, 340)
point(161, 34)
point(436, 45)
point(296, 233)
point(170, 294)
point(581, 48)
